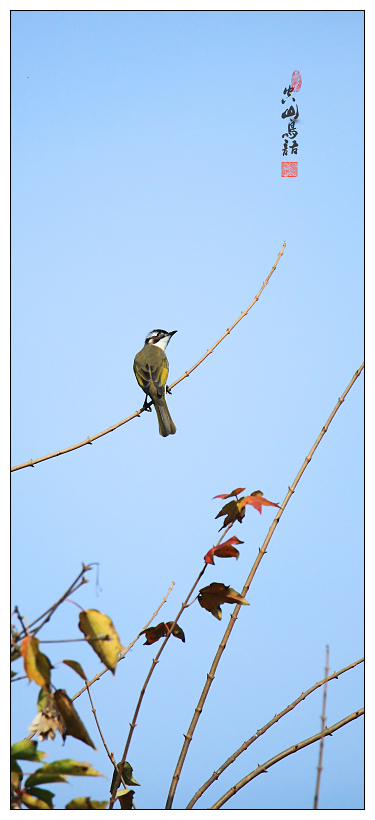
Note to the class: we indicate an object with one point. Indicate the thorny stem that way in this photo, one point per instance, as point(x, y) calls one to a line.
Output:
point(137, 413)
point(295, 748)
point(234, 614)
point(321, 745)
point(216, 774)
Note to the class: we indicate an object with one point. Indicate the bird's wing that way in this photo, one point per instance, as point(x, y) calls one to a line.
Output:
point(152, 376)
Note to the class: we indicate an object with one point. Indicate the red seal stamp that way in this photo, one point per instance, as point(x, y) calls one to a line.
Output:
point(296, 81)
point(289, 169)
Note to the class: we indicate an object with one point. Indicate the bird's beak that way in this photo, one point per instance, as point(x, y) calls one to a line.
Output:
point(172, 333)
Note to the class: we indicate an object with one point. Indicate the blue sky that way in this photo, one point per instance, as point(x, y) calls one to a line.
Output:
point(146, 192)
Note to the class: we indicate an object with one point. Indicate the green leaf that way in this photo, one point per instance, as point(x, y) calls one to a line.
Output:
point(43, 794)
point(43, 699)
point(176, 631)
point(86, 803)
point(13, 673)
point(71, 719)
point(77, 668)
point(15, 652)
point(57, 772)
point(26, 750)
point(127, 775)
point(16, 775)
point(40, 776)
point(95, 624)
point(72, 767)
point(33, 802)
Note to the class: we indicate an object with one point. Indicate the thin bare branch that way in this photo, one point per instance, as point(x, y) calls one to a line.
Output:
point(78, 640)
point(229, 329)
point(21, 620)
point(321, 745)
point(137, 413)
point(185, 605)
point(295, 748)
point(261, 732)
point(98, 725)
point(78, 582)
point(234, 614)
point(122, 656)
point(153, 665)
point(110, 754)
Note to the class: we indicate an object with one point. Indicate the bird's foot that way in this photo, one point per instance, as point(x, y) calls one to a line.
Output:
point(147, 405)
point(168, 390)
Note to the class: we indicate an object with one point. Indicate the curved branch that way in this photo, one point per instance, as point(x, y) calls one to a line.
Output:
point(301, 745)
point(260, 732)
point(234, 614)
point(137, 413)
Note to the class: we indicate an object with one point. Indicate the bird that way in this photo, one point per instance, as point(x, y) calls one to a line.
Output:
point(151, 371)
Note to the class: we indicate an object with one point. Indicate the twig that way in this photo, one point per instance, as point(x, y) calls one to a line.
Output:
point(153, 665)
point(260, 732)
point(76, 640)
point(122, 656)
point(21, 619)
point(98, 725)
point(265, 766)
point(110, 754)
point(73, 588)
point(90, 439)
point(229, 329)
point(321, 745)
point(234, 614)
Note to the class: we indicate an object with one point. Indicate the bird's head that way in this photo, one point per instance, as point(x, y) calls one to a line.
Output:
point(159, 338)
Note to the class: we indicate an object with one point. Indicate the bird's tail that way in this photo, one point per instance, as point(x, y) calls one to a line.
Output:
point(166, 426)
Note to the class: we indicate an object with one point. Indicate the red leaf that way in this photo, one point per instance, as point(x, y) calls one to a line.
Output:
point(154, 633)
point(224, 550)
point(228, 495)
point(257, 501)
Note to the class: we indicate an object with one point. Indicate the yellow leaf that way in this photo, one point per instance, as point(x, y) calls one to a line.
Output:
point(37, 666)
point(95, 625)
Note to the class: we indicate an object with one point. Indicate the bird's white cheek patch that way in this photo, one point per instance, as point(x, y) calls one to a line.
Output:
point(163, 343)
